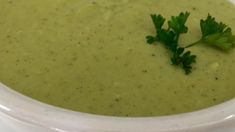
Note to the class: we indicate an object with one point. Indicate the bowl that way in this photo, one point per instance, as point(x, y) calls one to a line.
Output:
point(24, 114)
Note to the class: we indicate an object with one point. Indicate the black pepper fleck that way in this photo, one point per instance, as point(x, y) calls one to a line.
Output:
point(144, 71)
point(8, 36)
point(117, 100)
point(214, 99)
point(194, 8)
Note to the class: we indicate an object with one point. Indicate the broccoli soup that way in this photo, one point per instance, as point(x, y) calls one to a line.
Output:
point(92, 56)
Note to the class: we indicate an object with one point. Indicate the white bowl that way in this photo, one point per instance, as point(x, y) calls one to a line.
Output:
point(27, 115)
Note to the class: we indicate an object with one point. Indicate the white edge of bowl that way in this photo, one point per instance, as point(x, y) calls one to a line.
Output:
point(25, 109)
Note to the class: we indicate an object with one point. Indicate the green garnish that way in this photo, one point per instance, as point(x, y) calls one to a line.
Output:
point(170, 36)
point(214, 33)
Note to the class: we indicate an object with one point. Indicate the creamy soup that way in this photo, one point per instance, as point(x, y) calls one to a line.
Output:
point(92, 56)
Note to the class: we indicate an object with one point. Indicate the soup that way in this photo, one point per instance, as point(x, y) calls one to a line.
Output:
point(91, 56)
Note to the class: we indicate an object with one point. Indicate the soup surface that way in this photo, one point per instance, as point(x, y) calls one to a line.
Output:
point(91, 56)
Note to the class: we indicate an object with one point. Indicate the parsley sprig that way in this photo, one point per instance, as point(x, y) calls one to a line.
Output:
point(216, 34)
point(170, 37)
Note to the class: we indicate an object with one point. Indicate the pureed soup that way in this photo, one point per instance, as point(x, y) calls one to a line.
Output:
point(92, 56)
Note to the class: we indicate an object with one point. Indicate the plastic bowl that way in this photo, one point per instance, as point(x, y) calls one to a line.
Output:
point(27, 115)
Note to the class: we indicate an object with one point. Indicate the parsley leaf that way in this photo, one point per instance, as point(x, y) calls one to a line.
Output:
point(178, 23)
point(170, 36)
point(183, 59)
point(216, 34)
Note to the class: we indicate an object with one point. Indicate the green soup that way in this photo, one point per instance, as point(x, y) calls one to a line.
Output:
point(91, 56)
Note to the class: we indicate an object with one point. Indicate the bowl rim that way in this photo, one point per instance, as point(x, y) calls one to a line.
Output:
point(28, 110)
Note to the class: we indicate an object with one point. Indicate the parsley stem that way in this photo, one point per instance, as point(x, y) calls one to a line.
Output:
point(195, 43)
